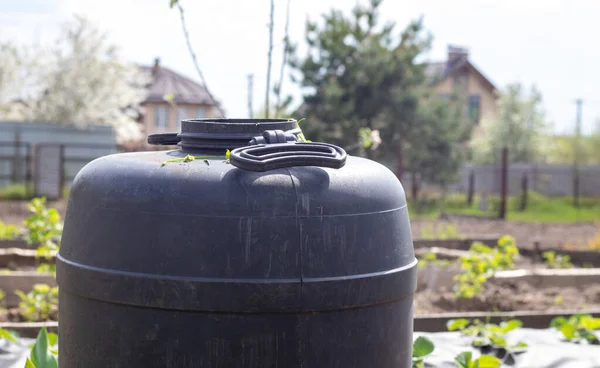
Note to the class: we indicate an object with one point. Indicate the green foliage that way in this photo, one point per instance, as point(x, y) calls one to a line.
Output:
point(8, 232)
point(439, 140)
point(6, 334)
point(43, 353)
point(40, 304)
point(15, 192)
point(465, 360)
point(361, 74)
point(481, 263)
point(44, 225)
point(431, 259)
point(520, 125)
point(553, 260)
point(438, 232)
point(578, 328)
point(562, 149)
point(487, 334)
point(190, 158)
point(540, 208)
point(422, 347)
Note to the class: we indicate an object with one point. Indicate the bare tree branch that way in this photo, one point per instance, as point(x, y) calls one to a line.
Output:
point(286, 44)
point(194, 58)
point(269, 59)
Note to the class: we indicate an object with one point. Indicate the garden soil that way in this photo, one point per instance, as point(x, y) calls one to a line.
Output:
point(510, 296)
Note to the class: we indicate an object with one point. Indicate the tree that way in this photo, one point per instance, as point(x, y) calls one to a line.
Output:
point(82, 82)
point(440, 137)
point(520, 126)
point(560, 149)
point(361, 74)
point(16, 75)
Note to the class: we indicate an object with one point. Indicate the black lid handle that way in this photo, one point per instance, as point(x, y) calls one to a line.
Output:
point(264, 157)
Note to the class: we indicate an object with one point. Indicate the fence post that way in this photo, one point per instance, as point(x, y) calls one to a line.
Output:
point(16, 162)
point(415, 183)
point(471, 188)
point(576, 188)
point(503, 183)
point(524, 191)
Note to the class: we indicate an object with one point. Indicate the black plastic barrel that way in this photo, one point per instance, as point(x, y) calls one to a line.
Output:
point(289, 254)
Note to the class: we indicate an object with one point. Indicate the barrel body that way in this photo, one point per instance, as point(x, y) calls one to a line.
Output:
point(203, 264)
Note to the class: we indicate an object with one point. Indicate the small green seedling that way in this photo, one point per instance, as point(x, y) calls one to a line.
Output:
point(465, 360)
point(39, 304)
point(190, 158)
point(8, 232)
point(422, 347)
point(488, 334)
point(481, 264)
point(554, 260)
point(44, 225)
point(578, 328)
point(44, 353)
point(431, 259)
point(440, 232)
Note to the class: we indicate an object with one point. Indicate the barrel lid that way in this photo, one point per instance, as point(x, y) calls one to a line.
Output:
point(221, 134)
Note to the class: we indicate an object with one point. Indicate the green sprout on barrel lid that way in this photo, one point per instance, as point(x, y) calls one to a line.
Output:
point(190, 158)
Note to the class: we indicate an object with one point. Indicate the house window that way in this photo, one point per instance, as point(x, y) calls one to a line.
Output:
point(161, 116)
point(181, 115)
point(474, 109)
point(200, 113)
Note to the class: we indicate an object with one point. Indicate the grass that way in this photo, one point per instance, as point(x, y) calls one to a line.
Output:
point(539, 208)
point(15, 192)
point(22, 192)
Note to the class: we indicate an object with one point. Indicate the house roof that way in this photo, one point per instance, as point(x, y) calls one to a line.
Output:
point(438, 71)
point(167, 82)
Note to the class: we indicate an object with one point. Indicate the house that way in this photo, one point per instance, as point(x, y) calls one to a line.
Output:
point(457, 75)
point(172, 98)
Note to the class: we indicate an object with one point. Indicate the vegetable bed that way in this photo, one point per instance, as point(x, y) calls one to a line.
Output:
point(510, 295)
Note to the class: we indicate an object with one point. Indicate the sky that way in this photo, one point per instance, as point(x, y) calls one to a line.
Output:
point(549, 43)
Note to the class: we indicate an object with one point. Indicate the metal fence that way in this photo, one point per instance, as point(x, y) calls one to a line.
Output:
point(20, 143)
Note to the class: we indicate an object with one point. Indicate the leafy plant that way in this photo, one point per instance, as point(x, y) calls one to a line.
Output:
point(432, 232)
point(431, 258)
point(44, 226)
point(481, 263)
point(6, 334)
point(554, 260)
point(465, 360)
point(8, 232)
point(422, 347)
point(488, 334)
point(578, 328)
point(44, 353)
point(40, 304)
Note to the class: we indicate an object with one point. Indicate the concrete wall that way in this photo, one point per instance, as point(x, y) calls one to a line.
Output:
point(81, 146)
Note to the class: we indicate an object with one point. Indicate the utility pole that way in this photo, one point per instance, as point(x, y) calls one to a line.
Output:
point(250, 87)
point(269, 59)
point(577, 156)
